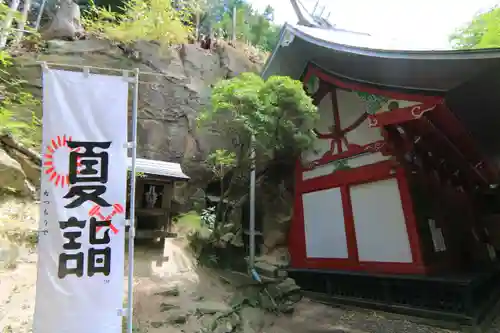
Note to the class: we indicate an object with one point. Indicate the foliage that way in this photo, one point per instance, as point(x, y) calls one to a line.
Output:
point(137, 174)
point(277, 112)
point(190, 221)
point(251, 26)
point(17, 116)
point(482, 32)
point(221, 161)
point(20, 236)
point(134, 19)
point(208, 217)
point(150, 20)
point(13, 99)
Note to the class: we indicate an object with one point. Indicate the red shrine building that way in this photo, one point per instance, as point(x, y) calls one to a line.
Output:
point(396, 204)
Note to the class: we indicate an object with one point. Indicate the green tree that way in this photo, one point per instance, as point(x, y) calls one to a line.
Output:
point(167, 21)
point(260, 24)
point(482, 32)
point(221, 161)
point(17, 105)
point(277, 112)
point(151, 20)
point(270, 117)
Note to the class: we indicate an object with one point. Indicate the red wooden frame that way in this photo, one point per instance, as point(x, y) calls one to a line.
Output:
point(322, 75)
point(352, 149)
point(400, 115)
point(344, 179)
point(451, 126)
point(437, 119)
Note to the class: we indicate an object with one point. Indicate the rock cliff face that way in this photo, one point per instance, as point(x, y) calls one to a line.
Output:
point(168, 103)
point(175, 87)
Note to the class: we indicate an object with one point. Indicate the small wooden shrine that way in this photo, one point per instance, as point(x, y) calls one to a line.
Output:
point(390, 203)
point(153, 197)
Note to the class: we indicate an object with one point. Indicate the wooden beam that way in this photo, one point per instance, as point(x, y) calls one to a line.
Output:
point(434, 141)
point(400, 115)
point(418, 122)
point(445, 120)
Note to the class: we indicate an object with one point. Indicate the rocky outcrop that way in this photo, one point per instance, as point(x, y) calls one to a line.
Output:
point(65, 22)
point(12, 176)
point(169, 102)
point(19, 167)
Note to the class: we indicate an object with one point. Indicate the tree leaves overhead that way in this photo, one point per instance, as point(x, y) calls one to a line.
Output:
point(214, 17)
point(277, 112)
point(482, 32)
point(152, 20)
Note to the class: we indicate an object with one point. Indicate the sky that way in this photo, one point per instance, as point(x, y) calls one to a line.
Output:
point(419, 23)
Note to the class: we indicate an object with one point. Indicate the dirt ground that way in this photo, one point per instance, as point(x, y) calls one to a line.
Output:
point(169, 289)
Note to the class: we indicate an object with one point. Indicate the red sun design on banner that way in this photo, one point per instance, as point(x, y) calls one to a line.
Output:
point(56, 160)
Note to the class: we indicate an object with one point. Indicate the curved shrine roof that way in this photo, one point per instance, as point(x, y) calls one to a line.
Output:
point(467, 79)
point(368, 59)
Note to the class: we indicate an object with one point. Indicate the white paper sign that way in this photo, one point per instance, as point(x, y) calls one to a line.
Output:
point(80, 284)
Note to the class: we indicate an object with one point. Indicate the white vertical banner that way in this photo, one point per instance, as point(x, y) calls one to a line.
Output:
point(80, 284)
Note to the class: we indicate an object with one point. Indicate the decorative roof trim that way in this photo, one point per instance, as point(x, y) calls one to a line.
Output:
point(394, 88)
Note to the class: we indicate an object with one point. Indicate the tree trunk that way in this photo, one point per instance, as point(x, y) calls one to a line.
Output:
point(22, 23)
point(4, 35)
point(197, 31)
point(40, 14)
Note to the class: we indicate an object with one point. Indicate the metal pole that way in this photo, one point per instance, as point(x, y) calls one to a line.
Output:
point(252, 204)
point(234, 25)
point(131, 232)
point(22, 24)
point(39, 16)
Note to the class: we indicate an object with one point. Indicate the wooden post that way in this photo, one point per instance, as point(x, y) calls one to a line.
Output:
point(166, 205)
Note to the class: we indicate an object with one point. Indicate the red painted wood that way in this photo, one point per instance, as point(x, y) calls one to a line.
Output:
point(321, 74)
point(352, 151)
point(369, 267)
point(363, 174)
point(352, 245)
point(343, 179)
point(401, 115)
point(409, 214)
point(448, 122)
point(445, 120)
point(297, 233)
point(307, 76)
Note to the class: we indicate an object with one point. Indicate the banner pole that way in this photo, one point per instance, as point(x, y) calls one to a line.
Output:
point(131, 233)
point(252, 205)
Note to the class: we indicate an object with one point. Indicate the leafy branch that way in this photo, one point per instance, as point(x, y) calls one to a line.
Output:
point(276, 112)
point(14, 102)
point(149, 20)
